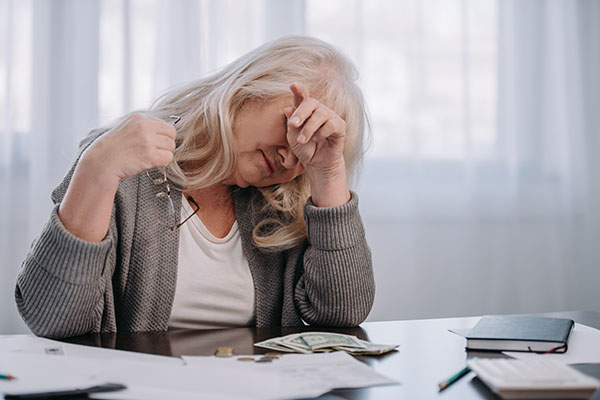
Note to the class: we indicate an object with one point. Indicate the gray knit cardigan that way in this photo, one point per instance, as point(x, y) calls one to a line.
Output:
point(126, 282)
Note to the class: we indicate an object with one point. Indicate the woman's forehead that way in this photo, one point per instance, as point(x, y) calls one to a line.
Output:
point(283, 101)
point(265, 106)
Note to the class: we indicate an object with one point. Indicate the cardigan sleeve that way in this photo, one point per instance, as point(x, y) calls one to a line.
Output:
point(59, 290)
point(336, 286)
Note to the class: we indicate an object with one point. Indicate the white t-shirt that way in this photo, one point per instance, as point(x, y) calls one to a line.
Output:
point(214, 284)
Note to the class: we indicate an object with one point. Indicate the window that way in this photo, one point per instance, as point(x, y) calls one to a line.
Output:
point(428, 69)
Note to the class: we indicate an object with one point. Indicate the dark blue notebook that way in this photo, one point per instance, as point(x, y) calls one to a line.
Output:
point(520, 333)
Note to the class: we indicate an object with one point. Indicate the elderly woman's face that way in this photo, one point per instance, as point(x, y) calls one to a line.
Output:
point(264, 156)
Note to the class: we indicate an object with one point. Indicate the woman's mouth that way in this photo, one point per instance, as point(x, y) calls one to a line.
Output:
point(268, 163)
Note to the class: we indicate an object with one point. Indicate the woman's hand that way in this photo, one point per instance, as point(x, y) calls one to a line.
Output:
point(316, 135)
point(139, 142)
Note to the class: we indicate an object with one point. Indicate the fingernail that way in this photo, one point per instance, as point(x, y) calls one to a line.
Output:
point(296, 121)
point(301, 138)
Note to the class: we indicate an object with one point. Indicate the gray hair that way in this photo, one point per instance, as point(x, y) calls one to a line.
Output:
point(205, 154)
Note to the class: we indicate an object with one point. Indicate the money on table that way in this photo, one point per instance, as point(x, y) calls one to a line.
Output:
point(317, 342)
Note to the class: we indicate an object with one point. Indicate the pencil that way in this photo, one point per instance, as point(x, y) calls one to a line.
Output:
point(7, 377)
point(443, 385)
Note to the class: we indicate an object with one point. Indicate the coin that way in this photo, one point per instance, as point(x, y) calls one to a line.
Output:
point(245, 359)
point(273, 355)
point(264, 360)
point(224, 352)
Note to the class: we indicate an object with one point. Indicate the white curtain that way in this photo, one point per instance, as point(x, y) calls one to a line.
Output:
point(479, 194)
point(67, 66)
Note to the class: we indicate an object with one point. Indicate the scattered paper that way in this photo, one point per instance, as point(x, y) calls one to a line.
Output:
point(42, 373)
point(42, 365)
point(33, 345)
point(296, 375)
point(149, 381)
point(460, 331)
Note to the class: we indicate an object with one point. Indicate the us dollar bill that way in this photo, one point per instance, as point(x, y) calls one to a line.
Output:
point(321, 342)
point(272, 344)
point(370, 349)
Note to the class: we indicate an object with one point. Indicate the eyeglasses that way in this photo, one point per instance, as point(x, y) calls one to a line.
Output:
point(164, 203)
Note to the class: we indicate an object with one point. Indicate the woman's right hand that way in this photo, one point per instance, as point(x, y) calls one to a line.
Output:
point(139, 142)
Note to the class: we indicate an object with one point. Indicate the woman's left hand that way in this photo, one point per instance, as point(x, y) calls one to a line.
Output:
point(316, 135)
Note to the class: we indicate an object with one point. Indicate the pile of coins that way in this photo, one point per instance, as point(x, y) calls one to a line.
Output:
point(229, 352)
point(267, 358)
point(224, 352)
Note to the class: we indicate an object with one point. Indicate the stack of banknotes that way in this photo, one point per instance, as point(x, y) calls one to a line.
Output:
point(323, 342)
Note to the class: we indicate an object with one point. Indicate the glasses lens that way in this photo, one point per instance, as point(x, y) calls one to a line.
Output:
point(165, 210)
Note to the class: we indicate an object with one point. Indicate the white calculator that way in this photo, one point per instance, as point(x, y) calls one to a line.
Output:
point(533, 379)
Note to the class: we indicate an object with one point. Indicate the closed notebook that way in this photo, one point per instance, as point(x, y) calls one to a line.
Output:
point(520, 333)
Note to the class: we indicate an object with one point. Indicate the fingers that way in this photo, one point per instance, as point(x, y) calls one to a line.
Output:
point(302, 103)
point(165, 143)
point(140, 142)
point(302, 113)
point(288, 111)
point(165, 128)
point(145, 123)
point(161, 145)
point(153, 133)
point(162, 158)
point(319, 124)
point(300, 93)
point(310, 116)
point(318, 119)
point(292, 132)
point(332, 128)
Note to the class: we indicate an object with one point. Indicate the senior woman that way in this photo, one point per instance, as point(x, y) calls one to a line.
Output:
point(225, 204)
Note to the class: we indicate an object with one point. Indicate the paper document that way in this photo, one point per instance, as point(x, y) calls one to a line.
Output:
point(43, 365)
point(40, 373)
point(584, 347)
point(460, 331)
point(148, 381)
point(207, 377)
point(296, 375)
point(33, 345)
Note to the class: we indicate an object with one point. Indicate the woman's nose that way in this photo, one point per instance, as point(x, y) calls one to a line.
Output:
point(287, 157)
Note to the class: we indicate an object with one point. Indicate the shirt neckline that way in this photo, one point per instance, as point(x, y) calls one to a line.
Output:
point(202, 229)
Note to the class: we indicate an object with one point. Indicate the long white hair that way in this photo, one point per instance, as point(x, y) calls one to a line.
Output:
point(205, 151)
